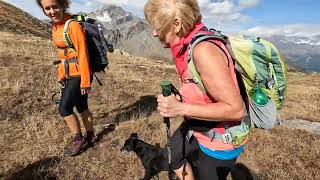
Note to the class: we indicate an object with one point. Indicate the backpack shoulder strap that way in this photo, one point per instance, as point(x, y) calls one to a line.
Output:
point(66, 35)
point(203, 36)
point(200, 37)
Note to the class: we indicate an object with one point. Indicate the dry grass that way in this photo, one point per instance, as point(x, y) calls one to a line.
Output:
point(15, 20)
point(303, 97)
point(283, 154)
point(33, 135)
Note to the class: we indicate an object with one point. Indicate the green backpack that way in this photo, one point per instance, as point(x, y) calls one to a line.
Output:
point(262, 70)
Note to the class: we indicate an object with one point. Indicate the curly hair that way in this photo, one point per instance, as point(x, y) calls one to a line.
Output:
point(65, 4)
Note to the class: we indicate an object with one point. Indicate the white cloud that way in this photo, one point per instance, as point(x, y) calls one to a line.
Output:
point(217, 10)
point(226, 11)
point(220, 8)
point(248, 3)
point(79, 7)
point(137, 4)
point(114, 2)
point(226, 15)
point(305, 30)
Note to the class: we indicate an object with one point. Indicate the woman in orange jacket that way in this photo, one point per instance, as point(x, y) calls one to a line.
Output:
point(73, 73)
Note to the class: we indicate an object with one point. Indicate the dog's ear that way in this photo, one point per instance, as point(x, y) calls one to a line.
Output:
point(158, 145)
point(134, 135)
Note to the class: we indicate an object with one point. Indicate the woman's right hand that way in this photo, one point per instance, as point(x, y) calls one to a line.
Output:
point(169, 106)
point(85, 91)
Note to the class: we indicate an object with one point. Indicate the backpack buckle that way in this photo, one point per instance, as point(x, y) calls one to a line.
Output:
point(269, 83)
point(226, 138)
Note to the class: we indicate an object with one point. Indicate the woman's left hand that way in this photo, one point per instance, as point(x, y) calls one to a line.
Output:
point(169, 106)
point(85, 91)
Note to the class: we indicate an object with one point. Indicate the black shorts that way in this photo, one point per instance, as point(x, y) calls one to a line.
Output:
point(204, 167)
point(71, 97)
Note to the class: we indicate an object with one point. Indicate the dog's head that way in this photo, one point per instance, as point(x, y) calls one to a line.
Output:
point(130, 143)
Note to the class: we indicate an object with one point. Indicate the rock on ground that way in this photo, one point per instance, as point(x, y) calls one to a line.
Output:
point(313, 127)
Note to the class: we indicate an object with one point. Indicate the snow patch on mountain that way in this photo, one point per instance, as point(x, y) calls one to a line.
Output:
point(301, 41)
point(129, 33)
point(105, 18)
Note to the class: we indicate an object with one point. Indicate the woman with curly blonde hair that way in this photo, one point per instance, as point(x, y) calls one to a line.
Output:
point(204, 155)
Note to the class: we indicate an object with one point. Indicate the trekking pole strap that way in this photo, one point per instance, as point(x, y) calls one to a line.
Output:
point(176, 92)
point(53, 99)
point(99, 82)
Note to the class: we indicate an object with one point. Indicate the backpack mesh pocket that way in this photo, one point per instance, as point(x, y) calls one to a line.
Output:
point(263, 116)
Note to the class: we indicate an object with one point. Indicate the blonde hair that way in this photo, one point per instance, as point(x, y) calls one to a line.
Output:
point(161, 15)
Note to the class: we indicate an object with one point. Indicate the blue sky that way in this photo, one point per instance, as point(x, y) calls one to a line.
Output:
point(254, 16)
point(285, 12)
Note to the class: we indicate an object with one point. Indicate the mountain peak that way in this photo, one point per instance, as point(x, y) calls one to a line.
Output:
point(112, 11)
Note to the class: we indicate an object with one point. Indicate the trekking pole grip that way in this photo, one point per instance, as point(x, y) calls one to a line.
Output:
point(166, 88)
point(166, 91)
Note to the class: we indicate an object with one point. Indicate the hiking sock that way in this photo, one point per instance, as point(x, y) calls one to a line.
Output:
point(90, 135)
point(77, 137)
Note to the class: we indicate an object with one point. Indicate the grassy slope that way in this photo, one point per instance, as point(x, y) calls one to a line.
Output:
point(33, 135)
point(15, 20)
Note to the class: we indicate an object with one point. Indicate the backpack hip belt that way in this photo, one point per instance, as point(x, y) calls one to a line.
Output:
point(66, 63)
point(235, 135)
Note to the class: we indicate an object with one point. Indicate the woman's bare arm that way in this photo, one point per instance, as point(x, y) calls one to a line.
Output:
point(212, 65)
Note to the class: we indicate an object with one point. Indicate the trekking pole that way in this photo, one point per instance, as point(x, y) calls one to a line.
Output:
point(166, 91)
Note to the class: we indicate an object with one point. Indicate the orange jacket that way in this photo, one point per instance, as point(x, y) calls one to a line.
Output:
point(78, 38)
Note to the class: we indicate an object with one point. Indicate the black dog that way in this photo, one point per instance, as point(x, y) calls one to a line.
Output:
point(242, 172)
point(154, 158)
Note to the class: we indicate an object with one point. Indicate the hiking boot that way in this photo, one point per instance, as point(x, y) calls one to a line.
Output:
point(75, 147)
